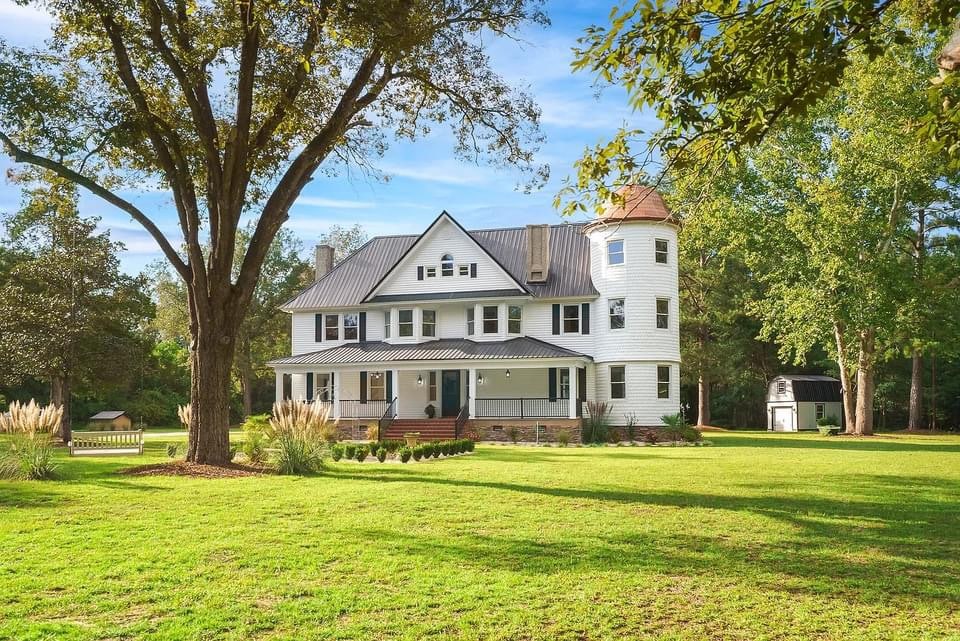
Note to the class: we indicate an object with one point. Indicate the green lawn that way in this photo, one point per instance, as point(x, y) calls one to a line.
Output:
point(758, 537)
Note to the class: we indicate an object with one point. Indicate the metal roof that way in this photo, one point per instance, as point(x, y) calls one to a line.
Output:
point(349, 282)
point(107, 416)
point(818, 390)
point(445, 349)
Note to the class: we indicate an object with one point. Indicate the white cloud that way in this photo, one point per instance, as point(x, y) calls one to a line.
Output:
point(449, 172)
point(332, 203)
point(11, 11)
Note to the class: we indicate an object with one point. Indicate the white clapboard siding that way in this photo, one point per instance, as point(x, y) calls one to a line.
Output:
point(445, 238)
point(641, 398)
point(303, 330)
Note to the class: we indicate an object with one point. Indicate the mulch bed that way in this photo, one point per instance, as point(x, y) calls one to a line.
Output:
point(197, 470)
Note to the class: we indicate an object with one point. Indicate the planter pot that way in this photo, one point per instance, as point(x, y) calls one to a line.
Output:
point(411, 438)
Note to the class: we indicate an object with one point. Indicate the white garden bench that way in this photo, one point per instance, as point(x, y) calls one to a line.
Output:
point(106, 443)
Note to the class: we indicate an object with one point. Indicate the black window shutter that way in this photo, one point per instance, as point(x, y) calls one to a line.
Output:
point(363, 387)
point(473, 270)
point(309, 386)
point(556, 320)
point(420, 272)
point(552, 383)
point(318, 328)
point(585, 318)
point(363, 326)
point(581, 384)
point(389, 385)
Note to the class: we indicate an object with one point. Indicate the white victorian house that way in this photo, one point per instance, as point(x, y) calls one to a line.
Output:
point(492, 328)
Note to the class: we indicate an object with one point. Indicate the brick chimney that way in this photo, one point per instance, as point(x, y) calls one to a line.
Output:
point(538, 253)
point(323, 261)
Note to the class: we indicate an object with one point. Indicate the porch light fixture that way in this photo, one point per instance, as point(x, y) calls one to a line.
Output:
point(508, 373)
point(479, 379)
point(419, 380)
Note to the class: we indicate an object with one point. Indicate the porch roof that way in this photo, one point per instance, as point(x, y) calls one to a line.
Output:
point(446, 349)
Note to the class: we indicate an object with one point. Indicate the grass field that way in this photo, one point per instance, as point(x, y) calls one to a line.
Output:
point(759, 537)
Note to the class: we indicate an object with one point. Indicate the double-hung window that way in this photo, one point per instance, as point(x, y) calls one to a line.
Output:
point(618, 317)
point(431, 272)
point(820, 410)
point(405, 323)
point(514, 319)
point(491, 318)
point(386, 323)
point(331, 327)
point(615, 252)
point(618, 381)
point(351, 327)
point(663, 313)
point(470, 321)
point(446, 265)
point(464, 270)
point(663, 381)
point(563, 382)
point(377, 386)
point(661, 250)
point(431, 386)
point(428, 325)
point(571, 319)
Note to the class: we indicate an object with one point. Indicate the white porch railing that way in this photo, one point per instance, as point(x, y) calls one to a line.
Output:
point(522, 408)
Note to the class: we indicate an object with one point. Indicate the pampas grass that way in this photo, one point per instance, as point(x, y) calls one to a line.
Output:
point(29, 455)
point(185, 412)
point(31, 419)
point(299, 431)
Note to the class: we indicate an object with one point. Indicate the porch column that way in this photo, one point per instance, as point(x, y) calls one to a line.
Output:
point(472, 400)
point(279, 393)
point(572, 374)
point(396, 391)
point(336, 394)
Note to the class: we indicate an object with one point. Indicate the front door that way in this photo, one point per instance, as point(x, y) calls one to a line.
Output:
point(450, 403)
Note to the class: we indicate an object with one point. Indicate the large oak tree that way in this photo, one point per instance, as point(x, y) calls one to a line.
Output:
point(233, 105)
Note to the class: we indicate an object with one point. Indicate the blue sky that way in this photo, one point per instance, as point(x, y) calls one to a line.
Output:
point(425, 178)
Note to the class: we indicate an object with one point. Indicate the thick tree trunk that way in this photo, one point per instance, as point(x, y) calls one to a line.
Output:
point(865, 383)
point(703, 400)
point(211, 359)
point(846, 382)
point(915, 421)
point(60, 395)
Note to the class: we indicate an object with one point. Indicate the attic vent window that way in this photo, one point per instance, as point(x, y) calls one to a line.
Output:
point(446, 265)
point(464, 270)
point(781, 387)
point(431, 272)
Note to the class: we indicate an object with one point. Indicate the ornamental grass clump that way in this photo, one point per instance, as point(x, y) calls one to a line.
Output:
point(596, 426)
point(29, 453)
point(298, 432)
point(184, 412)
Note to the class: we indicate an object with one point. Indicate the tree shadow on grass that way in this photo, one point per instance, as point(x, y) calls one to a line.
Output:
point(893, 535)
point(864, 444)
point(29, 495)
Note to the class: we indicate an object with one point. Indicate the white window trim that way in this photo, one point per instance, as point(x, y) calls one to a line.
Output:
point(343, 327)
point(436, 322)
point(463, 270)
point(412, 323)
point(669, 382)
point(563, 319)
point(821, 410)
point(623, 252)
point(655, 252)
point(656, 313)
point(471, 322)
point(610, 315)
point(610, 381)
point(520, 320)
point(370, 386)
point(453, 269)
point(427, 274)
point(484, 319)
point(387, 326)
point(781, 387)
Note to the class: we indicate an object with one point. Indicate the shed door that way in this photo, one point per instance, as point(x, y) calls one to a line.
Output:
point(783, 419)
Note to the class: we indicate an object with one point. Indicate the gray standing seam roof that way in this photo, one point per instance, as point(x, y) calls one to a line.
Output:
point(445, 349)
point(106, 416)
point(351, 280)
point(817, 390)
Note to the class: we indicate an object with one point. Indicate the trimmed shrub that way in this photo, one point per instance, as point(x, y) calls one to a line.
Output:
point(255, 447)
point(382, 454)
point(172, 449)
point(417, 452)
point(393, 445)
point(651, 437)
point(445, 448)
point(350, 450)
point(471, 444)
point(362, 452)
point(405, 454)
point(563, 438)
point(336, 451)
point(435, 449)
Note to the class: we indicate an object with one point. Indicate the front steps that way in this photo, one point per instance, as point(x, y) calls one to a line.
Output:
point(431, 429)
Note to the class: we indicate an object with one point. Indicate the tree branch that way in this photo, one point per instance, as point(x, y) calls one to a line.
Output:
point(22, 156)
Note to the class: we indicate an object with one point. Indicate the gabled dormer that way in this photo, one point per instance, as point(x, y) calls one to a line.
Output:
point(445, 260)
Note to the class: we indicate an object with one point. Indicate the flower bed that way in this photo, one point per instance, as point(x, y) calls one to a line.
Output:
point(397, 451)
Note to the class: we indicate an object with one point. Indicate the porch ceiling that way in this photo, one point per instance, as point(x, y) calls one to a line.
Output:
point(451, 349)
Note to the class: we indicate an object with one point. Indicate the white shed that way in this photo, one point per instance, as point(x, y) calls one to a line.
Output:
point(796, 401)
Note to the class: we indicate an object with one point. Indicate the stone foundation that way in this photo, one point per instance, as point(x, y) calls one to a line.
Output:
point(499, 429)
